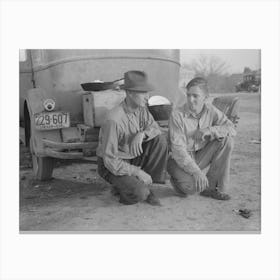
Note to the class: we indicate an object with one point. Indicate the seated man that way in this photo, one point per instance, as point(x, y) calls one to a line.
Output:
point(200, 135)
point(132, 153)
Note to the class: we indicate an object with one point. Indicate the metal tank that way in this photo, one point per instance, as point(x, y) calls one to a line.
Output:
point(61, 71)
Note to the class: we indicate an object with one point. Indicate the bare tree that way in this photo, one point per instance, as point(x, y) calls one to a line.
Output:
point(207, 65)
point(213, 68)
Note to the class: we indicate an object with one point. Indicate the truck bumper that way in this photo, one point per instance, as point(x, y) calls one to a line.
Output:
point(67, 150)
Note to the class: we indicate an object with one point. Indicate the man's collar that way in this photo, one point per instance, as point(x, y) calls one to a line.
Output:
point(128, 110)
point(189, 113)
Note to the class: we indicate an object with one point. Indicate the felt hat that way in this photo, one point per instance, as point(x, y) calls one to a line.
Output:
point(136, 81)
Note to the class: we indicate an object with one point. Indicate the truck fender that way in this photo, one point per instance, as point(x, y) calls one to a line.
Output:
point(34, 104)
point(34, 99)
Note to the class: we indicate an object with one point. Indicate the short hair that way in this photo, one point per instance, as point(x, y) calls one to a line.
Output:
point(200, 82)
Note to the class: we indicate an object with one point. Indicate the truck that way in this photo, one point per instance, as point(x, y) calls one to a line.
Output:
point(60, 116)
point(251, 81)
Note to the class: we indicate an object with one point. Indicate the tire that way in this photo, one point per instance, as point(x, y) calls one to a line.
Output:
point(27, 125)
point(42, 166)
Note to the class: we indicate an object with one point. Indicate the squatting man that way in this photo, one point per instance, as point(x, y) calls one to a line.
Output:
point(200, 138)
point(133, 153)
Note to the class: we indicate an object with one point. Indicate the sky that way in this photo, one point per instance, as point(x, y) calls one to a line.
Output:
point(237, 59)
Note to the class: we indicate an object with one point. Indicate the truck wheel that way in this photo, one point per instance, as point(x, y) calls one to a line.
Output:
point(42, 166)
point(27, 125)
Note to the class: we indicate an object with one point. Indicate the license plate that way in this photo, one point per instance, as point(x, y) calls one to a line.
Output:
point(52, 120)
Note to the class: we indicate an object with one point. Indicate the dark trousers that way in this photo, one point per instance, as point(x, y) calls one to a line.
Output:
point(153, 161)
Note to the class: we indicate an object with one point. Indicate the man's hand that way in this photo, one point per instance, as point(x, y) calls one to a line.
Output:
point(217, 135)
point(201, 181)
point(202, 134)
point(143, 176)
point(136, 144)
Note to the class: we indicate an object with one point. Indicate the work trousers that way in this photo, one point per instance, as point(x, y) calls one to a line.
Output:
point(153, 161)
point(216, 156)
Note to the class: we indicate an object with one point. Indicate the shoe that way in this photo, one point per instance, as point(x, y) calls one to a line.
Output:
point(128, 199)
point(246, 213)
point(178, 190)
point(215, 194)
point(126, 202)
point(115, 191)
point(153, 200)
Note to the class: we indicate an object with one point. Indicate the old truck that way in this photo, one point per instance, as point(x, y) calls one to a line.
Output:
point(61, 120)
point(251, 81)
point(61, 115)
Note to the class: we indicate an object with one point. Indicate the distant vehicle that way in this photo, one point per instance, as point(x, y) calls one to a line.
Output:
point(251, 81)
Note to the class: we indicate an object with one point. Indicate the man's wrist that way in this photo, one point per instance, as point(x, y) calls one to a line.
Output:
point(145, 136)
point(134, 170)
point(208, 131)
point(197, 173)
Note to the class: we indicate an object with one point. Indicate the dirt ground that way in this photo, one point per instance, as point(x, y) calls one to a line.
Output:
point(78, 200)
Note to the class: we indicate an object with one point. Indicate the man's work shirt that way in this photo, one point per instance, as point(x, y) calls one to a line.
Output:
point(182, 126)
point(117, 133)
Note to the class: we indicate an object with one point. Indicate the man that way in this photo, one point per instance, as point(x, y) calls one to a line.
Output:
point(200, 136)
point(132, 153)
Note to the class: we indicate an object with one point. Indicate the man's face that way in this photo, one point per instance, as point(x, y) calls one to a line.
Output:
point(196, 99)
point(138, 99)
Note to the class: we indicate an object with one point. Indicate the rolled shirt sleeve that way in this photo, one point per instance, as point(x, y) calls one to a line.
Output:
point(178, 143)
point(112, 161)
point(221, 126)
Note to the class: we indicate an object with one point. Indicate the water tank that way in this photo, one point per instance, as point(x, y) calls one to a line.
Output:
point(63, 70)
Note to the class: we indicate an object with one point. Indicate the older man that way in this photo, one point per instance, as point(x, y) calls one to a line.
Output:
point(132, 153)
point(200, 137)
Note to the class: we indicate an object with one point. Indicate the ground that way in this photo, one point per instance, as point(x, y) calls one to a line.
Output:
point(78, 200)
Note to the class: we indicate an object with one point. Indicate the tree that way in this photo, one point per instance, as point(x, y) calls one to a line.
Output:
point(207, 65)
point(213, 68)
point(247, 70)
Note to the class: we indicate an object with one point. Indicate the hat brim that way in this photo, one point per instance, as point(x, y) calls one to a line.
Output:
point(144, 88)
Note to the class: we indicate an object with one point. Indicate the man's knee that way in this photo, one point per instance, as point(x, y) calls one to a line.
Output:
point(171, 165)
point(102, 170)
point(182, 180)
point(186, 187)
point(142, 193)
point(138, 189)
point(228, 142)
point(160, 141)
point(133, 191)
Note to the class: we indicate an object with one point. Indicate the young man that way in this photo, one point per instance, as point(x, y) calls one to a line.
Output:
point(200, 136)
point(132, 153)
